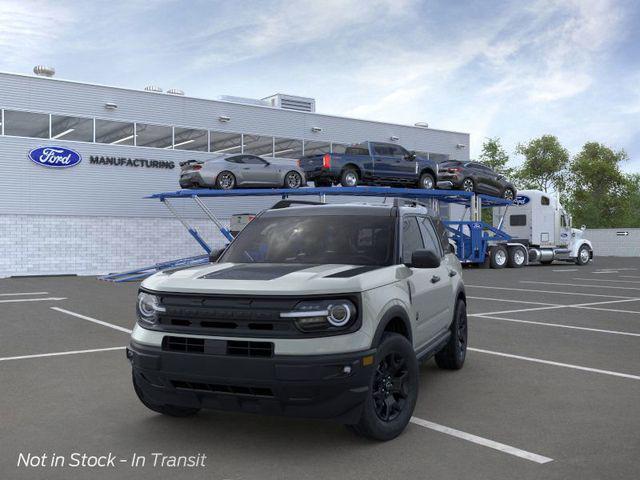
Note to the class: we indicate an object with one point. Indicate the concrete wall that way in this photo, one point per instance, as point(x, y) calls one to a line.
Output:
point(612, 242)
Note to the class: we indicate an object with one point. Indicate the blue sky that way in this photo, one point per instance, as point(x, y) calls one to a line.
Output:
point(515, 69)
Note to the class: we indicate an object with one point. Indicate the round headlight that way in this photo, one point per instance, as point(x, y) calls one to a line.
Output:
point(339, 314)
point(148, 307)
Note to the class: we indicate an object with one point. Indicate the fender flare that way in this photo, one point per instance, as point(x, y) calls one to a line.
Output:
point(580, 243)
point(395, 311)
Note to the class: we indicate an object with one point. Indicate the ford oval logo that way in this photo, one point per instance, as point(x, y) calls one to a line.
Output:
point(521, 200)
point(55, 157)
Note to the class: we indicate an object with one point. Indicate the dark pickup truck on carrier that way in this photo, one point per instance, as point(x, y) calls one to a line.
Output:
point(371, 163)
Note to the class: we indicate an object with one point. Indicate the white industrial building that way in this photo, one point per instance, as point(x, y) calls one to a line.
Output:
point(91, 218)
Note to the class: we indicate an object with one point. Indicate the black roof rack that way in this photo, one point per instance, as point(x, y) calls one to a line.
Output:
point(287, 203)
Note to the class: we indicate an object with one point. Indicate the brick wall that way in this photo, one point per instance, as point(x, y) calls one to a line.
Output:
point(612, 242)
point(52, 245)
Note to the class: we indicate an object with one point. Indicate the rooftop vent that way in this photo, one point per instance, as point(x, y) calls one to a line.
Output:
point(291, 102)
point(153, 88)
point(44, 71)
point(175, 91)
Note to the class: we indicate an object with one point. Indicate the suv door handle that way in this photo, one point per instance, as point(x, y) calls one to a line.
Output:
point(435, 279)
point(452, 273)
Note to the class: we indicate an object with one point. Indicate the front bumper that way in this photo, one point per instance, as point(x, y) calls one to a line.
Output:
point(318, 386)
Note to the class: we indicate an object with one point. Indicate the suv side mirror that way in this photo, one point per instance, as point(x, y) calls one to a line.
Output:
point(424, 259)
point(451, 248)
point(215, 255)
point(410, 156)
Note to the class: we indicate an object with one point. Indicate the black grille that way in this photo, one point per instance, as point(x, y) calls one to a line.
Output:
point(210, 346)
point(249, 349)
point(240, 316)
point(183, 344)
point(230, 389)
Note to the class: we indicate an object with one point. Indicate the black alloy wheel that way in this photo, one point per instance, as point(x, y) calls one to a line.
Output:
point(390, 387)
point(468, 185)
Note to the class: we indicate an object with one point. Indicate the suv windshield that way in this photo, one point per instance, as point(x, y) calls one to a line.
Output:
point(316, 239)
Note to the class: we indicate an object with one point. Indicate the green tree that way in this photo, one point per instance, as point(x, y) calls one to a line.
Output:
point(545, 164)
point(494, 156)
point(600, 194)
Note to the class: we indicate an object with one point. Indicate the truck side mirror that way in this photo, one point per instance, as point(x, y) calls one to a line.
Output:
point(424, 259)
point(215, 255)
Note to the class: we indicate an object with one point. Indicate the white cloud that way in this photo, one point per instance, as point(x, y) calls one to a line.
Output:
point(29, 30)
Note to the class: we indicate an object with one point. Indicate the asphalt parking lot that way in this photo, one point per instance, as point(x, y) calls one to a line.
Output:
point(551, 389)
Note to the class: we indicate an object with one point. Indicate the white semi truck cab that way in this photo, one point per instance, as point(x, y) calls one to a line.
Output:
point(541, 227)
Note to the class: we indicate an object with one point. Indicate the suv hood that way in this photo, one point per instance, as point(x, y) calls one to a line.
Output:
point(272, 279)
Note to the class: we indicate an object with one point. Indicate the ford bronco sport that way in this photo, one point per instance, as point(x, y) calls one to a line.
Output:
point(317, 311)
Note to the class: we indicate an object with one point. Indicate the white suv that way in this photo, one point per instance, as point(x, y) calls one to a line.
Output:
point(317, 311)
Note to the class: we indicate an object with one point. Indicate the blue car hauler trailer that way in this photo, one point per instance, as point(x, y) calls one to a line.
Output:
point(473, 238)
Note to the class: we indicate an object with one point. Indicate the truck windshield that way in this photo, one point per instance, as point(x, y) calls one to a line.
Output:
point(316, 239)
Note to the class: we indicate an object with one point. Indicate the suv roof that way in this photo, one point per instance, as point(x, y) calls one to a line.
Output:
point(346, 209)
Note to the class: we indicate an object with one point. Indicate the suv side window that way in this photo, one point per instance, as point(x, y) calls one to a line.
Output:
point(411, 238)
point(441, 233)
point(398, 151)
point(382, 150)
point(429, 235)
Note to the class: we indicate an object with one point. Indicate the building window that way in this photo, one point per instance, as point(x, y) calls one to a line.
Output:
point(258, 145)
point(157, 136)
point(190, 139)
point(115, 133)
point(338, 147)
point(71, 128)
point(26, 124)
point(226, 142)
point(316, 148)
point(287, 148)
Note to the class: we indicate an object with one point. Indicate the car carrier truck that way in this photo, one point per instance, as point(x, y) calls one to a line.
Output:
point(540, 231)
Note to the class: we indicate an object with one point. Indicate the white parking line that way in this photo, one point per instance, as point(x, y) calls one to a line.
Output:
point(511, 301)
point(605, 280)
point(20, 300)
point(547, 291)
point(566, 270)
point(629, 276)
point(551, 306)
point(580, 285)
point(534, 457)
point(94, 320)
point(57, 354)
point(559, 325)
point(556, 364)
point(27, 293)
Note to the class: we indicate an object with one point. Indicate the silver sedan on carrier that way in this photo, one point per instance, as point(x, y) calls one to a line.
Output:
point(241, 170)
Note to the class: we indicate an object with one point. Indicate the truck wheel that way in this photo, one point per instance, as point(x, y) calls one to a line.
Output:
point(584, 255)
point(498, 256)
point(393, 390)
point(349, 178)
point(452, 355)
point(225, 180)
point(517, 257)
point(427, 182)
point(170, 410)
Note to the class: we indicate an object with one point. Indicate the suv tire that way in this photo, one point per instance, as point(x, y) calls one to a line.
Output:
point(170, 410)
point(453, 354)
point(393, 390)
